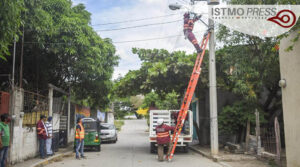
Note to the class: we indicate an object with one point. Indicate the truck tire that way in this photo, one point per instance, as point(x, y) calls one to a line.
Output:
point(185, 148)
point(152, 148)
point(98, 148)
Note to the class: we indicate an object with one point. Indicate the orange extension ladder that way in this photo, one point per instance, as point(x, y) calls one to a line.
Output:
point(188, 96)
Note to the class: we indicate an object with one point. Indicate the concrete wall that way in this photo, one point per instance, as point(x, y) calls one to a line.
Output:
point(25, 144)
point(290, 71)
point(110, 117)
point(71, 135)
point(24, 140)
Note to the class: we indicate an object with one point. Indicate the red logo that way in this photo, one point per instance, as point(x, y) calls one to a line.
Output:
point(284, 18)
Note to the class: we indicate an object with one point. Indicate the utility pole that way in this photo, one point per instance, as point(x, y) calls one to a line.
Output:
point(214, 138)
point(21, 60)
point(14, 62)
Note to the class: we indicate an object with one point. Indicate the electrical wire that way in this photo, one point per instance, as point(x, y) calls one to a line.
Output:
point(134, 20)
point(117, 42)
point(145, 25)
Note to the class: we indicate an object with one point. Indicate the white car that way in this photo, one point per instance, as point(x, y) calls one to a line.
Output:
point(108, 133)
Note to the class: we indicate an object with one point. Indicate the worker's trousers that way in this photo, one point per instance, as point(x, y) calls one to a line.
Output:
point(160, 150)
point(190, 35)
point(48, 146)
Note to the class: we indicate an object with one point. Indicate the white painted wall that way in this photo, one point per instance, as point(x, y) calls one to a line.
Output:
point(290, 71)
point(110, 118)
point(71, 135)
point(24, 140)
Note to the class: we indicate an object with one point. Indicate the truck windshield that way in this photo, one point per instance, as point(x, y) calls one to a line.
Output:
point(90, 126)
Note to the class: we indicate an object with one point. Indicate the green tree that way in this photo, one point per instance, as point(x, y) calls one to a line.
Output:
point(122, 107)
point(63, 49)
point(161, 72)
point(250, 69)
point(10, 21)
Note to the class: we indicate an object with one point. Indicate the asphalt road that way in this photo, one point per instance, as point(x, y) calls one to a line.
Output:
point(132, 150)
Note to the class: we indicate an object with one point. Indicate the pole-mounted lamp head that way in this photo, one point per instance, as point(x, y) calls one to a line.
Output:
point(174, 6)
point(213, 2)
point(209, 2)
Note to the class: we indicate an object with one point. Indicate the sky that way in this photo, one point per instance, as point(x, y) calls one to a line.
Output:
point(107, 11)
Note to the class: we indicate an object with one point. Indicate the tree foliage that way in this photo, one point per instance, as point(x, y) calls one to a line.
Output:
point(167, 101)
point(251, 69)
point(10, 21)
point(122, 107)
point(161, 72)
point(63, 49)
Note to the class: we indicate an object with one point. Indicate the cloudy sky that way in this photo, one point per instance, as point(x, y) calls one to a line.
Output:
point(107, 11)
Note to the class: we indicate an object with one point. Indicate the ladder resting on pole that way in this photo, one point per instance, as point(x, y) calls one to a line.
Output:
point(188, 96)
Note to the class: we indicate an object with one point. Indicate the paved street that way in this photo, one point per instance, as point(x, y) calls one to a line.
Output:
point(132, 150)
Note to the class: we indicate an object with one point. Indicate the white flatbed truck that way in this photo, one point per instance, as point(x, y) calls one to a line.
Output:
point(186, 135)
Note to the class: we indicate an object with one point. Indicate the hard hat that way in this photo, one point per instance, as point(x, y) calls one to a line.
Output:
point(160, 121)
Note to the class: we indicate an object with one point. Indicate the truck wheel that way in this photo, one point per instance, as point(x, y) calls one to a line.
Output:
point(186, 148)
point(152, 148)
point(98, 148)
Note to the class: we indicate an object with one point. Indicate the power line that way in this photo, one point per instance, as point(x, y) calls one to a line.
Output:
point(123, 28)
point(118, 42)
point(134, 20)
point(145, 25)
point(149, 39)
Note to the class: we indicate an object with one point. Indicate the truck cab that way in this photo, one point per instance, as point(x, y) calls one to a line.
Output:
point(169, 118)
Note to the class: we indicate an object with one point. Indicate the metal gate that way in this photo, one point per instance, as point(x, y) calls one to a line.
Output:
point(60, 111)
point(63, 135)
point(35, 105)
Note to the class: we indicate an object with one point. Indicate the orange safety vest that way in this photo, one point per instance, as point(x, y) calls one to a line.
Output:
point(80, 135)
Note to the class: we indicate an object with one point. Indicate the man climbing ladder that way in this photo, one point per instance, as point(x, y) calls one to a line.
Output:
point(188, 95)
point(189, 21)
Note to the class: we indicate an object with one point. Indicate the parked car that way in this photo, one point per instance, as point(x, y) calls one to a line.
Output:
point(92, 136)
point(108, 132)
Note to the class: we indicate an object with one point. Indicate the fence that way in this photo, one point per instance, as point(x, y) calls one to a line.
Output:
point(35, 105)
point(4, 102)
point(268, 139)
point(271, 140)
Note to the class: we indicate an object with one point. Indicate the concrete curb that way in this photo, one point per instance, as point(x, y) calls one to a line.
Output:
point(52, 159)
point(215, 159)
point(201, 152)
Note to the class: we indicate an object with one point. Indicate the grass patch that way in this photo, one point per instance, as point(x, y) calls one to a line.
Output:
point(119, 124)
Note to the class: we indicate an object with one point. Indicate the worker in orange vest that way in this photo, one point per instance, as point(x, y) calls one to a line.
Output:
point(79, 139)
point(189, 21)
point(162, 138)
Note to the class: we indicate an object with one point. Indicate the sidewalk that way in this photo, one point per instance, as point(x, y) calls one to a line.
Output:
point(229, 159)
point(37, 162)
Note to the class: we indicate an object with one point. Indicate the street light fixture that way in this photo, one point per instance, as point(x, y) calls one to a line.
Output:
point(174, 6)
point(209, 2)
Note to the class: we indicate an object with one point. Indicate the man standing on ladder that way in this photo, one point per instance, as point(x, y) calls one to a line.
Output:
point(162, 137)
point(189, 21)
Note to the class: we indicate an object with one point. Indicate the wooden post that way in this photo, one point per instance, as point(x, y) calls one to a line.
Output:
point(247, 136)
point(257, 131)
point(278, 141)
